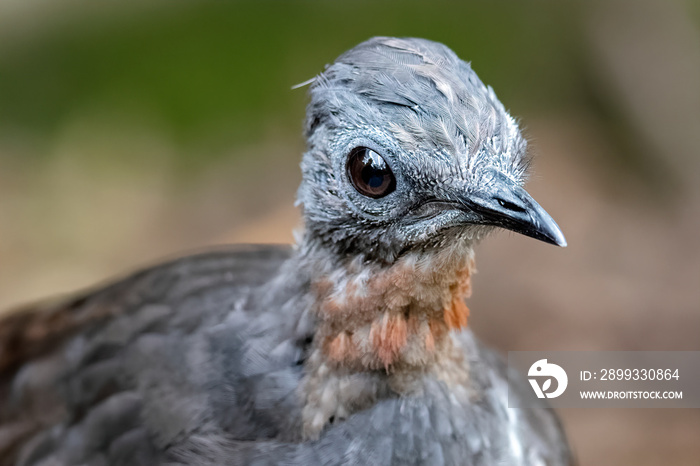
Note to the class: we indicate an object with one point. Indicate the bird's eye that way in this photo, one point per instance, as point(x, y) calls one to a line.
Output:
point(369, 173)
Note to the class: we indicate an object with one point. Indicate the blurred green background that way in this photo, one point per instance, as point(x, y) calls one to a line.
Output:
point(136, 130)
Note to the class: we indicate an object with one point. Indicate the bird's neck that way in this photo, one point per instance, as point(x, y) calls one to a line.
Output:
point(389, 317)
point(383, 326)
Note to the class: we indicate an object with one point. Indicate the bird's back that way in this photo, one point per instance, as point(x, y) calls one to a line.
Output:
point(108, 377)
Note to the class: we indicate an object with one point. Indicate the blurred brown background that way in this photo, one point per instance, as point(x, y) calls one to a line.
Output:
point(132, 131)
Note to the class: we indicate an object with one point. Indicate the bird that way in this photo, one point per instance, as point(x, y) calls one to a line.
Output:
point(350, 346)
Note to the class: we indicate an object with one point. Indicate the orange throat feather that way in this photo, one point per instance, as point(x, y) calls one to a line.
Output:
point(395, 317)
point(380, 329)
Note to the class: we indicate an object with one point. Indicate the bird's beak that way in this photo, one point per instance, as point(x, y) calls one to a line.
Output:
point(505, 204)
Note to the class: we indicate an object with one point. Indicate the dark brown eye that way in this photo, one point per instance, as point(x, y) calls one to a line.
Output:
point(369, 173)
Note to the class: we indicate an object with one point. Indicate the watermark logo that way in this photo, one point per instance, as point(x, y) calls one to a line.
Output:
point(604, 379)
point(543, 370)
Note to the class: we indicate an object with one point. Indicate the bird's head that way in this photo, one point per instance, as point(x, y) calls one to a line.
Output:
point(408, 149)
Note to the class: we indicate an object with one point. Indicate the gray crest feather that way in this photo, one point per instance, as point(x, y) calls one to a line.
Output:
point(429, 93)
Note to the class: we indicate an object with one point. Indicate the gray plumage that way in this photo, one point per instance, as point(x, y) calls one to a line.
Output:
point(348, 348)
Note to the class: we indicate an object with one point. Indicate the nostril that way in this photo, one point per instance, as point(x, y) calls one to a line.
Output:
point(511, 206)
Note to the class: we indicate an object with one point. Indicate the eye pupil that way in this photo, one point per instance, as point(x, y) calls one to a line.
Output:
point(375, 181)
point(370, 174)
